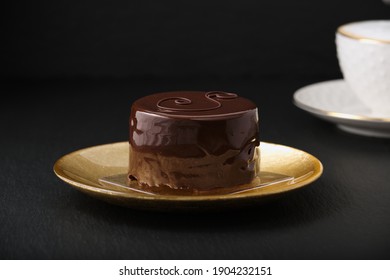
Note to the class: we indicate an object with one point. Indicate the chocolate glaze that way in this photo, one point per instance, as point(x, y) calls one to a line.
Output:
point(193, 140)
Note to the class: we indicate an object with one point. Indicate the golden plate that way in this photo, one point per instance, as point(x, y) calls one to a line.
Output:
point(83, 170)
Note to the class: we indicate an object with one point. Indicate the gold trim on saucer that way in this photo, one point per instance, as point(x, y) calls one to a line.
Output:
point(337, 115)
point(84, 168)
point(341, 30)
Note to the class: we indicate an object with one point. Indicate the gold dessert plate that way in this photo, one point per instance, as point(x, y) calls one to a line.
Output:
point(87, 169)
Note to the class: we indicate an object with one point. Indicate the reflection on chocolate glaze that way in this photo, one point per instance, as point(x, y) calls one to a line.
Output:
point(221, 95)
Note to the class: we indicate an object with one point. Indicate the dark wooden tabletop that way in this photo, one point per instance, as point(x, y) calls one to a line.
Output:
point(345, 214)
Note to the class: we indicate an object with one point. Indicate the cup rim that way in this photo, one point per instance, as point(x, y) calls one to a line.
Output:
point(341, 31)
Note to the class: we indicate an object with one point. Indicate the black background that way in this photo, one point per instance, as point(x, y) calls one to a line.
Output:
point(194, 39)
point(71, 69)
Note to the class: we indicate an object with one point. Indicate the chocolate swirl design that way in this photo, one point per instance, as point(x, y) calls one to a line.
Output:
point(183, 104)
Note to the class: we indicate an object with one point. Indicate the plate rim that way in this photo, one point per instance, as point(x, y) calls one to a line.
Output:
point(318, 170)
point(334, 114)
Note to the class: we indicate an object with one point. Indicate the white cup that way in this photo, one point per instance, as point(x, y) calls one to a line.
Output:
point(363, 50)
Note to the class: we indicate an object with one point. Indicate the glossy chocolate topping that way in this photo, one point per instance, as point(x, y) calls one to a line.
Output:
point(194, 104)
point(191, 139)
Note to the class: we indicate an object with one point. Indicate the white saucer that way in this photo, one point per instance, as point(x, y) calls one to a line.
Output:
point(333, 101)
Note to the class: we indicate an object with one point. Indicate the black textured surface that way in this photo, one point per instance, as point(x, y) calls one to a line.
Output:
point(345, 214)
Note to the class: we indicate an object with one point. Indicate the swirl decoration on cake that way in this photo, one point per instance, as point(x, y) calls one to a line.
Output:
point(183, 104)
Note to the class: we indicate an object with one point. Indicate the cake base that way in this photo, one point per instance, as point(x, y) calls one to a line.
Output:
point(264, 179)
point(192, 176)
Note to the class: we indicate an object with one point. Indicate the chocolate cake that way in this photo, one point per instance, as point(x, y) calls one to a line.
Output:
point(193, 141)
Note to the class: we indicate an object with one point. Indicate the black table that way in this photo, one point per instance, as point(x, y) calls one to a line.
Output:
point(345, 214)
